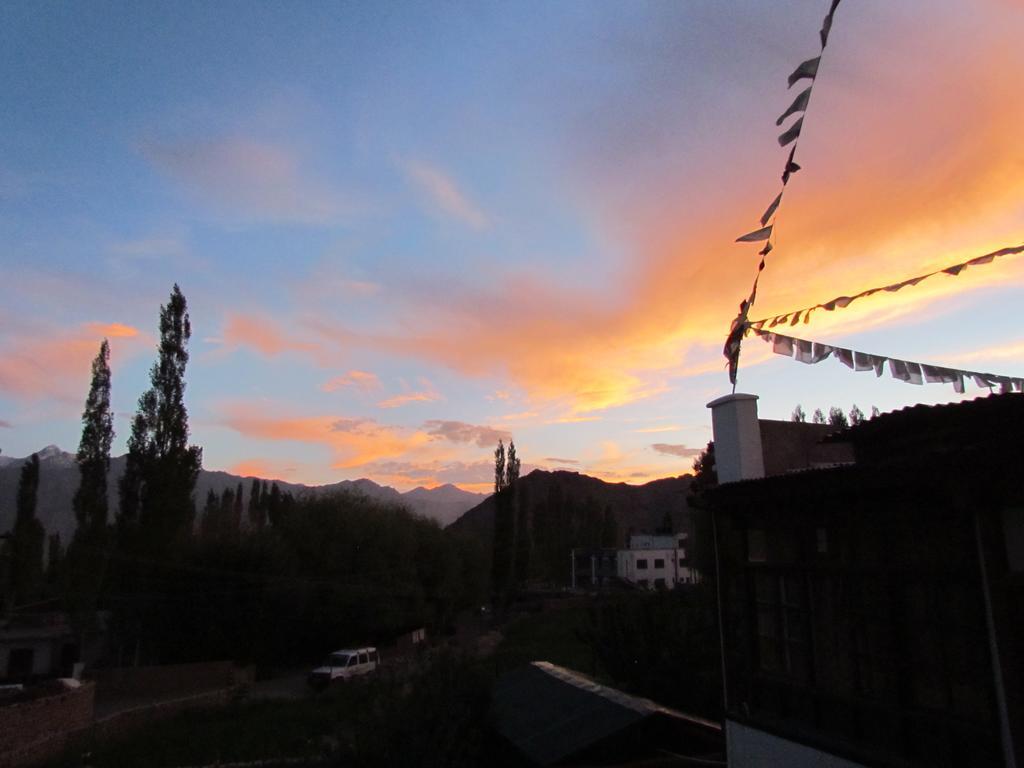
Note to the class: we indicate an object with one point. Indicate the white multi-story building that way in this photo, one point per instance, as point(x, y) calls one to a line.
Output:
point(656, 561)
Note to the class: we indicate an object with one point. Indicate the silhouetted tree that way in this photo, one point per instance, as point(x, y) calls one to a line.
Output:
point(875, 412)
point(836, 417)
point(818, 417)
point(705, 477)
point(86, 560)
point(503, 545)
point(27, 538)
point(799, 414)
point(856, 415)
point(499, 467)
point(90, 500)
point(511, 466)
point(54, 561)
point(236, 512)
point(257, 513)
point(163, 466)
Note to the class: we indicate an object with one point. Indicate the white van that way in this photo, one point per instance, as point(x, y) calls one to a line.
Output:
point(344, 664)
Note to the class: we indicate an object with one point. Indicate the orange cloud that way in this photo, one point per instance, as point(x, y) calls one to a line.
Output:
point(411, 397)
point(57, 364)
point(261, 334)
point(426, 395)
point(364, 381)
point(910, 161)
point(353, 442)
point(113, 330)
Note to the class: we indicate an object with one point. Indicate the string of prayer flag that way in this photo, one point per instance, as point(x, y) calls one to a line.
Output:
point(807, 70)
point(794, 317)
point(812, 352)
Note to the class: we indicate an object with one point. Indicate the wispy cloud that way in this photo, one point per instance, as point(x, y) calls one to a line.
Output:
point(652, 430)
point(364, 381)
point(254, 178)
point(261, 333)
point(670, 449)
point(556, 460)
point(1011, 351)
point(263, 469)
point(442, 191)
point(353, 442)
point(461, 432)
point(56, 363)
point(410, 397)
point(425, 395)
point(4, 424)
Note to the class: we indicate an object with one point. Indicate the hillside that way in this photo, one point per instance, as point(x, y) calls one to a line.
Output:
point(634, 507)
point(58, 480)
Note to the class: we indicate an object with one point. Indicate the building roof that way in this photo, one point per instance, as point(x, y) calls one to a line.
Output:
point(982, 423)
point(551, 713)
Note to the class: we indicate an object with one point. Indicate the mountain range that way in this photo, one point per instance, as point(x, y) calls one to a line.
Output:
point(59, 478)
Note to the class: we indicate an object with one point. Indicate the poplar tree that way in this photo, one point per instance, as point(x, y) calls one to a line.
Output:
point(90, 500)
point(86, 559)
point(499, 467)
point(28, 537)
point(162, 467)
point(511, 466)
point(257, 513)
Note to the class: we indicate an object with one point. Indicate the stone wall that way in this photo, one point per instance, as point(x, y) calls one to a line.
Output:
point(42, 728)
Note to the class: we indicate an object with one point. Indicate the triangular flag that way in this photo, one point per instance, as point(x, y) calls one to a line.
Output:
point(766, 250)
point(826, 26)
point(806, 69)
point(756, 236)
point(799, 105)
point(771, 209)
point(792, 133)
point(791, 167)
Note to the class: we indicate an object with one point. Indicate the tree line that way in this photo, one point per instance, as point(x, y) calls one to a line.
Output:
point(271, 578)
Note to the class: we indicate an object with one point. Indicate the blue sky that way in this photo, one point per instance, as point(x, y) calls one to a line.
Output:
point(408, 230)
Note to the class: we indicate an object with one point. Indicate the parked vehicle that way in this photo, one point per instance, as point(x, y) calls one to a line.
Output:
point(344, 665)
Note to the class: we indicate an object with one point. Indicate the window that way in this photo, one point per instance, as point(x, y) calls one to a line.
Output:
point(659, 562)
point(641, 564)
point(783, 626)
point(362, 657)
point(682, 562)
point(353, 660)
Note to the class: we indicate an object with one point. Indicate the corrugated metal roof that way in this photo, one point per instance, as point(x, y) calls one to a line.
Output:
point(550, 712)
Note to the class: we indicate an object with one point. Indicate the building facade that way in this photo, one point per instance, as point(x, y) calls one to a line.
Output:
point(871, 614)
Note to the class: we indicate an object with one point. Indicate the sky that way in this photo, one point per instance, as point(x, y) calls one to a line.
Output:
point(409, 230)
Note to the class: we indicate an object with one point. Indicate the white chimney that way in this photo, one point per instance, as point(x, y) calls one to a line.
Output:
point(737, 436)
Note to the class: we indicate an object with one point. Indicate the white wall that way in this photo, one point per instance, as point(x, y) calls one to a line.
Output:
point(671, 572)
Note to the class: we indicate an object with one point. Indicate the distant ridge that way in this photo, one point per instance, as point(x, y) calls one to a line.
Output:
point(58, 480)
point(640, 508)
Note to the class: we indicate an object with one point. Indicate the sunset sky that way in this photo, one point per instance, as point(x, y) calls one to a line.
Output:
point(406, 230)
